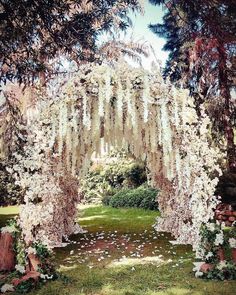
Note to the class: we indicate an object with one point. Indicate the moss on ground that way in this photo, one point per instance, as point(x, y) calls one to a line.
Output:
point(110, 232)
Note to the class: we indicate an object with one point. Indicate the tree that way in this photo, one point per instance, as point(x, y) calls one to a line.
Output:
point(34, 33)
point(202, 43)
point(114, 51)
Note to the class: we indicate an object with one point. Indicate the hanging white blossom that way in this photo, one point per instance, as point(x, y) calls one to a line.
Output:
point(125, 107)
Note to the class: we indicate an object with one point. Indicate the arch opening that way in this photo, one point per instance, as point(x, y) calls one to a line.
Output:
point(128, 108)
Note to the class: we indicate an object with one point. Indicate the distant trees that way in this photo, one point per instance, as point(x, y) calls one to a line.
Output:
point(201, 38)
point(34, 33)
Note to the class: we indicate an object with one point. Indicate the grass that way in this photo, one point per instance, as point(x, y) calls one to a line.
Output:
point(117, 235)
point(7, 213)
point(121, 220)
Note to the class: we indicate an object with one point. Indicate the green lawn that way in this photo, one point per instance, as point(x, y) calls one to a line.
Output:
point(121, 254)
point(7, 213)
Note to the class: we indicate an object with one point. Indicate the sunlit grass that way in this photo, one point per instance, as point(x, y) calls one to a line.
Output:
point(170, 275)
point(10, 210)
point(121, 220)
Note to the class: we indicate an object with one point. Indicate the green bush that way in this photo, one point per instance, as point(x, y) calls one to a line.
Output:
point(106, 200)
point(127, 172)
point(109, 177)
point(141, 197)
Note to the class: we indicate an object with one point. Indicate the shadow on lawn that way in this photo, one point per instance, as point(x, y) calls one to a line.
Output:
point(4, 218)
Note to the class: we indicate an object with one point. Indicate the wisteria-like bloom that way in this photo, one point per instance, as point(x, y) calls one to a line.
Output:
point(122, 107)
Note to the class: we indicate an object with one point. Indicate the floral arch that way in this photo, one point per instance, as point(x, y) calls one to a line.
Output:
point(129, 108)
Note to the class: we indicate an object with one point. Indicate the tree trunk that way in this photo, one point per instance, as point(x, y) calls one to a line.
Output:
point(227, 115)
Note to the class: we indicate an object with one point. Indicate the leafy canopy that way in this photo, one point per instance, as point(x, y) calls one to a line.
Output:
point(34, 33)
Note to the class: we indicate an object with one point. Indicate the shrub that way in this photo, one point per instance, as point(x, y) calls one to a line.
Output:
point(141, 197)
point(127, 172)
point(107, 178)
point(106, 200)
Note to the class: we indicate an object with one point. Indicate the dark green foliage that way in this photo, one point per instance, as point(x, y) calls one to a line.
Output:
point(226, 188)
point(34, 32)
point(41, 250)
point(108, 178)
point(141, 197)
point(201, 41)
point(10, 193)
point(226, 273)
point(26, 286)
point(125, 173)
point(106, 200)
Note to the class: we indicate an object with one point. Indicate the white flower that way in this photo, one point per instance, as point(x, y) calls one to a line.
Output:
point(7, 288)
point(221, 265)
point(20, 268)
point(232, 242)
point(211, 226)
point(46, 277)
point(197, 266)
point(8, 229)
point(219, 239)
point(209, 255)
point(31, 250)
point(198, 274)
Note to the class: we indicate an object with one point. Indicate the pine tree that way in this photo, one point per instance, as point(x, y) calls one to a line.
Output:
point(201, 38)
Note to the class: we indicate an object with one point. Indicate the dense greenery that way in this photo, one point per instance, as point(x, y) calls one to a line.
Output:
point(107, 178)
point(54, 29)
point(200, 38)
point(141, 197)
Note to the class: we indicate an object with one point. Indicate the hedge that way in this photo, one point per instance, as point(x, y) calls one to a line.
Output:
point(141, 197)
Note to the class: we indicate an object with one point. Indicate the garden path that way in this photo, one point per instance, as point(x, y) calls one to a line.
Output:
point(113, 238)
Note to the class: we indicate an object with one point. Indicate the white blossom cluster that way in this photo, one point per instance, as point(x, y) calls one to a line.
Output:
point(7, 288)
point(232, 243)
point(219, 239)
